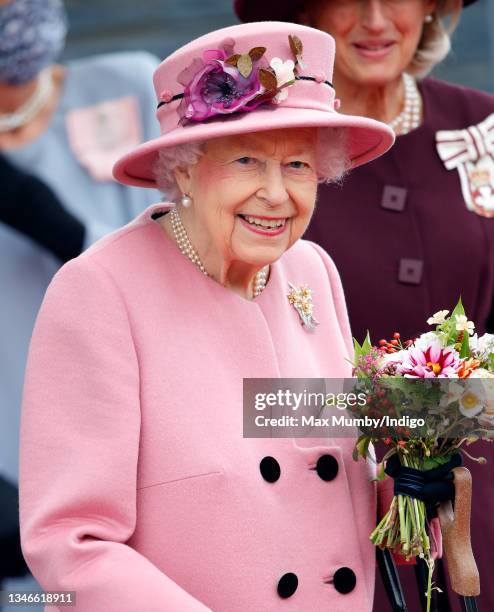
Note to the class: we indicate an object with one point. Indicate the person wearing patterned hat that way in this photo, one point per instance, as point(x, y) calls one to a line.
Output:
point(423, 214)
point(138, 490)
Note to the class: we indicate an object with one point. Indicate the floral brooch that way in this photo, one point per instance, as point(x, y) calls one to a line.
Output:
point(223, 82)
point(301, 299)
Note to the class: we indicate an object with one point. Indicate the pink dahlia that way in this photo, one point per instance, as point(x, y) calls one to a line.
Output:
point(430, 360)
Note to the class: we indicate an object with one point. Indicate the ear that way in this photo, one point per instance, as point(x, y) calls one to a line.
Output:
point(183, 178)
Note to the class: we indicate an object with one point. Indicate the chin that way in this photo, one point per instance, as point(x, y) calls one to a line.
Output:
point(261, 256)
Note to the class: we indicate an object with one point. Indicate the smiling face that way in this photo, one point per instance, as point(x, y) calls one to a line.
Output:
point(253, 195)
point(375, 39)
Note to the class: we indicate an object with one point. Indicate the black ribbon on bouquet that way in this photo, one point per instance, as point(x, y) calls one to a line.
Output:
point(431, 486)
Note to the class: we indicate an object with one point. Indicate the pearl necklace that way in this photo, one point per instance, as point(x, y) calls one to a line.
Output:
point(409, 118)
point(188, 250)
point(30, 108)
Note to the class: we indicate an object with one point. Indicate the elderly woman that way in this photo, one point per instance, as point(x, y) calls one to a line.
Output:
point(421, 215)
point(137, 488)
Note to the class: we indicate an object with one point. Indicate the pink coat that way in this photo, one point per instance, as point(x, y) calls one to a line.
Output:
point(137, 489)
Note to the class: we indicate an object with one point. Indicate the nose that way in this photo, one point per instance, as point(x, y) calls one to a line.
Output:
point(273, 189)
point(373, 16)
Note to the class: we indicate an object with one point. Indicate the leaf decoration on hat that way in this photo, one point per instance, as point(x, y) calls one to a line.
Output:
point(297, 49)
point(233, 59)
point(256, 53)
point(245, 65)
point(268, 79)
point(223, 82)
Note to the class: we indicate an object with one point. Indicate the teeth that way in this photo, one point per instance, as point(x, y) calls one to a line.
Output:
point(274, 223)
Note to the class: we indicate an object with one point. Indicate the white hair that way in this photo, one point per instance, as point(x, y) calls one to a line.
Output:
point(435, 43)
point(331, 154)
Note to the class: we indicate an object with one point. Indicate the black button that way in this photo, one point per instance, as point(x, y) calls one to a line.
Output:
point(344, 580)
point(270, 469)
point(327, 467)
point(287, 585)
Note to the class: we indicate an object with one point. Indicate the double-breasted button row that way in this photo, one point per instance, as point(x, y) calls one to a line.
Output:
point(326, 468)
point(409, 270)
point(344, 581)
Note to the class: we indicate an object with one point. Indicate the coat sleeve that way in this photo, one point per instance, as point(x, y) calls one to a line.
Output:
point(80, 429)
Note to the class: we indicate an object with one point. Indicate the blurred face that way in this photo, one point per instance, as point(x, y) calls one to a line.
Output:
point(375, 39)
point(253, 194)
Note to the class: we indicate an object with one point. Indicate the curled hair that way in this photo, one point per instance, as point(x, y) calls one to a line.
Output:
point(435, 43)
point(168, 159)
point(331, 154)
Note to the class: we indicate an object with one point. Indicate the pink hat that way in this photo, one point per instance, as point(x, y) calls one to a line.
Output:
point(249, 78)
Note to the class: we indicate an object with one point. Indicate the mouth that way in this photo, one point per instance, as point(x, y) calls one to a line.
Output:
point(374, 48)
point(267, 226)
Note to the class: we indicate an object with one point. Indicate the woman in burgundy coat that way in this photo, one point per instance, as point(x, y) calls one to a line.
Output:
point(413, 230)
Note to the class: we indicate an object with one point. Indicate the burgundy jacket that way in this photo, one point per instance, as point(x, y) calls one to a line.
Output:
point(406, 246)
point(400, 233)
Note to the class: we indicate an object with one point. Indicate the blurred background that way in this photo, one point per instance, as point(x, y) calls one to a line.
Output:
point(161, 26)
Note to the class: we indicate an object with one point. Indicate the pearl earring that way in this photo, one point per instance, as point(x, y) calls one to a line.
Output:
point(185, 200)
point(428, 19)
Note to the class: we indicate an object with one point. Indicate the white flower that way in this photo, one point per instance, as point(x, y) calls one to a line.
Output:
point(481, 373)
point(423, 341)
point(472, 402)
point(462, 324)
point(438, 317)
point(388, 358)
point(285, 74)
point(453, 393)
point(482, 347)
point(487, 420)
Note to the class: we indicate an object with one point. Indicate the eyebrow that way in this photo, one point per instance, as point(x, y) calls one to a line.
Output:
point(249, 148)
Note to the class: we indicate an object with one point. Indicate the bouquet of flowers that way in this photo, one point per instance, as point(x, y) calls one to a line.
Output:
point(432, 396)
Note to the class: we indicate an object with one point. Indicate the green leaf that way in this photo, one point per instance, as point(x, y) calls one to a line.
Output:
point(381, 474)
point(465, 347)
point(431, 463)
point(357, 351)
point(458, 310)
point(363, 446)
point(491, 362)
point(366, 346)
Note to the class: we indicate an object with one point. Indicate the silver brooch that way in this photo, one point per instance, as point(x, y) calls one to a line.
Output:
point(301, 299)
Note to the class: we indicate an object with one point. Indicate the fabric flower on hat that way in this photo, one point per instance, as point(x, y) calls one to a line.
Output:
point(215, 85)
point(285, 76)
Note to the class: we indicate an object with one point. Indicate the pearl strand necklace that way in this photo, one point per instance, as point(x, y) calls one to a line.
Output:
point(30, 108)
point(409, 118)
point(186, 248)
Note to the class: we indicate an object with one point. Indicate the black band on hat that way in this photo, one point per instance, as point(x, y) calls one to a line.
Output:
point(307, 78)
point(297, 78)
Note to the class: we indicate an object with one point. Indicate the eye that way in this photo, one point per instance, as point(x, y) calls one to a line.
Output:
point(245, 161)
point(298, 165)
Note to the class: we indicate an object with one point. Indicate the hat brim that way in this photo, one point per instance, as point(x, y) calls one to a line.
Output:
point(366, 138)
point(276, 10)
